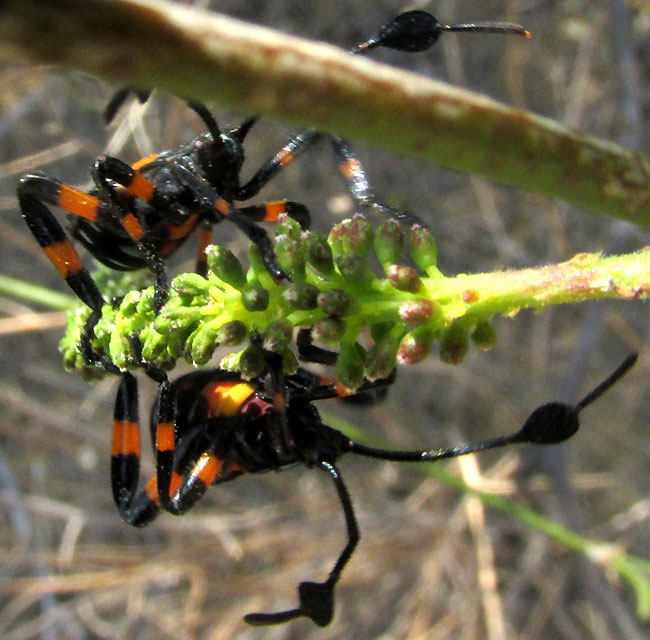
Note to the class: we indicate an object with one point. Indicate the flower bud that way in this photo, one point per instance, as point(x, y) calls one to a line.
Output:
point(225, 265)
point(177, 341)
point(415, 345)
point(153, 344)
point(286, 225)
point(336, 302)
point(255, 297)
point(422, 247)
point(352, 236)
point(277, 336)
point(130, 302)
point(119, 348)
point(404, 278)
point(382, 358)
point(301, 296)
point(203, 343)
point(350, 364)
point(288, 254)
point(329, 330)
point(231, 334)
point(355, 269)
point(484, 336)
point(454, 344)
point(174, 317)
point(317, 252)
point(389, 242)
point(190, 284)
point(418, 311)
point(252, 363)
point(145, 302)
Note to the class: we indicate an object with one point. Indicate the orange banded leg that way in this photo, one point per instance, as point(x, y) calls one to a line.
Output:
point(52, 191)
point(186, 490)
point(53, 240)
point(165, 445)
point(107, 172)
point(203, 474)
point(137, 509)
point(57, 246)
point(281, 160)
point(256, 234)
point(269, 212)
point(355, 176)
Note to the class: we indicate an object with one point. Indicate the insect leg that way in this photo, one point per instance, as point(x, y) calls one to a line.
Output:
point(317, 598)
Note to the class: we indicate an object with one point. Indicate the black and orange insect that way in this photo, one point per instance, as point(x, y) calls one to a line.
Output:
point(211, 426)
point(137, 215)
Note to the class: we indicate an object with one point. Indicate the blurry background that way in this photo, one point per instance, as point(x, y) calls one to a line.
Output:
point(431, 564)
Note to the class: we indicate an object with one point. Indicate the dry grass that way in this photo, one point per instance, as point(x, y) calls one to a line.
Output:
point(431, 564)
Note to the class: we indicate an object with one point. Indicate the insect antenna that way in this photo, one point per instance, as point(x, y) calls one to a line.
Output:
point(549, 424)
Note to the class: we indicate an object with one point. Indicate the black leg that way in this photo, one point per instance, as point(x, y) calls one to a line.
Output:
point(137, 509)
point(355, 176)
point(211, 199)
point(317, 598)
point(107, 172)
point(57, 246)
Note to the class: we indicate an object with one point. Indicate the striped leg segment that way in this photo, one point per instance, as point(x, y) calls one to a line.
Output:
point(203, 474)
point(52, 191)
point(107, 172)
point(140, 508)
point(206, 193)
point(269, 212)
point(282, 159)
point(57, 246)
point(165, 444)
point(183, 473)
point(53, 240)
point(355, 176)
point(137, 509)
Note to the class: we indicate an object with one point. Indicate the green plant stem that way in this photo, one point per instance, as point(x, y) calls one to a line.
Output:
point(22, 290)
point(586, 276)
point(206, 56)
point(633, 569)
point(442, 308)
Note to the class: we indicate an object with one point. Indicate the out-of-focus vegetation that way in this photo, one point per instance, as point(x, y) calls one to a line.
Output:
point(431, 564)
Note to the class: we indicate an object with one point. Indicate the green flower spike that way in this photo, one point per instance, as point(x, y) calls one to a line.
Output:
point(374, 321)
